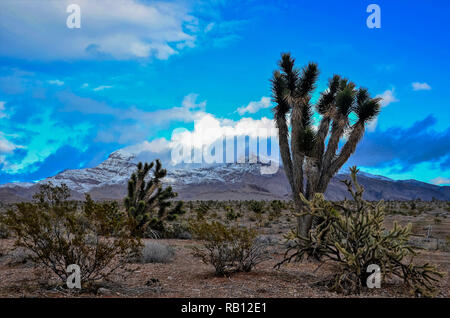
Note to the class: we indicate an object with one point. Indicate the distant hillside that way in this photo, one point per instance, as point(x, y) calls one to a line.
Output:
point(219, 182)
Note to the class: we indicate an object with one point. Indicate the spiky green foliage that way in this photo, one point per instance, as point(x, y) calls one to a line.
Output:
point(354, 237)
point(147, 201)
point(309, 153)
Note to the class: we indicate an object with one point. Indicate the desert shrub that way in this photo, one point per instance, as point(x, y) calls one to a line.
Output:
point(161, 225)
point(178, 230)
point(228, 248)
point(277, 206)
point(437, 220)
point(275, 209)
point(57, 233)
point(4, 233)
point(154, 252)
point(353, 236)
point(202, 209)
point(108, 212)
point(231, 215)
point(256, 206)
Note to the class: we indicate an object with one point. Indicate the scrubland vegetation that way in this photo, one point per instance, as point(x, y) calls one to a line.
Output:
point(151, 245)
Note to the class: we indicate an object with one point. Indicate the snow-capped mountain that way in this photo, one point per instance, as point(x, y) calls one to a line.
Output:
point(114, 170)
point(230, 181)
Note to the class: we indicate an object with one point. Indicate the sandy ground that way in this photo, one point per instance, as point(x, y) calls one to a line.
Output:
point(186, 276)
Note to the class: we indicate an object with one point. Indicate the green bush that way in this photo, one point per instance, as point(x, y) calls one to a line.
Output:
point(178, 230)
point(256, 206)
point(4, 233)
point(59, 232)
point(353, 237)
point(231, 215)
point(228, 248)
point(275, 209)
point(202, 209)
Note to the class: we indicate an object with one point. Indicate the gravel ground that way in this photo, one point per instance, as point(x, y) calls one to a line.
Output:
point(185, 276)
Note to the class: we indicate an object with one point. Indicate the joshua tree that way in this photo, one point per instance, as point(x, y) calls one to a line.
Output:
point(309, 163)
point(147, 201)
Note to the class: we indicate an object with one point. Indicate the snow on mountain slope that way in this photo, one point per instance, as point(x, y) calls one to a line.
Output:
point(237, 181)
point(114, 170)
point(374, 176)
point(121, 164)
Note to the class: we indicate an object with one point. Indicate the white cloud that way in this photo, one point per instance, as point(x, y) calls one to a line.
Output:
point(189, 110)
point(209, 132)
point(159, 145)
point(6, 146)
point(132, 123)
point(371, 126)
point(441, 181)
point(209, 27)
point(101, 88)
point(125, 29)
point(255, 106)
point(2, 109)
point(209, 128)
point(417, 86)
point(387, 97)
point(190, 102)
point(56, 82)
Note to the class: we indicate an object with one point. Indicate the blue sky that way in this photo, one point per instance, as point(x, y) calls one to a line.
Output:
point(136, 70)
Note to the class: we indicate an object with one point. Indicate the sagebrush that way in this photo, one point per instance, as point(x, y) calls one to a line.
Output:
point(59, 232)
point(229, 248)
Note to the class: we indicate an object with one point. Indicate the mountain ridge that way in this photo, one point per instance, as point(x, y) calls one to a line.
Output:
point(230, 181)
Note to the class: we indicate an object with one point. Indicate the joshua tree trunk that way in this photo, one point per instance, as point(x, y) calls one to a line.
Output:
point(309, 162)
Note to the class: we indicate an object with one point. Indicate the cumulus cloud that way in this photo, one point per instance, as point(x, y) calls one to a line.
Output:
point(214, 140)
point(255, 106)
point(208, 129)
point(440, 181)
point(417, 86)
point(387, 97)
point(124, 29)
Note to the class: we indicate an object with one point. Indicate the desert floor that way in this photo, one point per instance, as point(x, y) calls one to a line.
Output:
point(186, 276)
